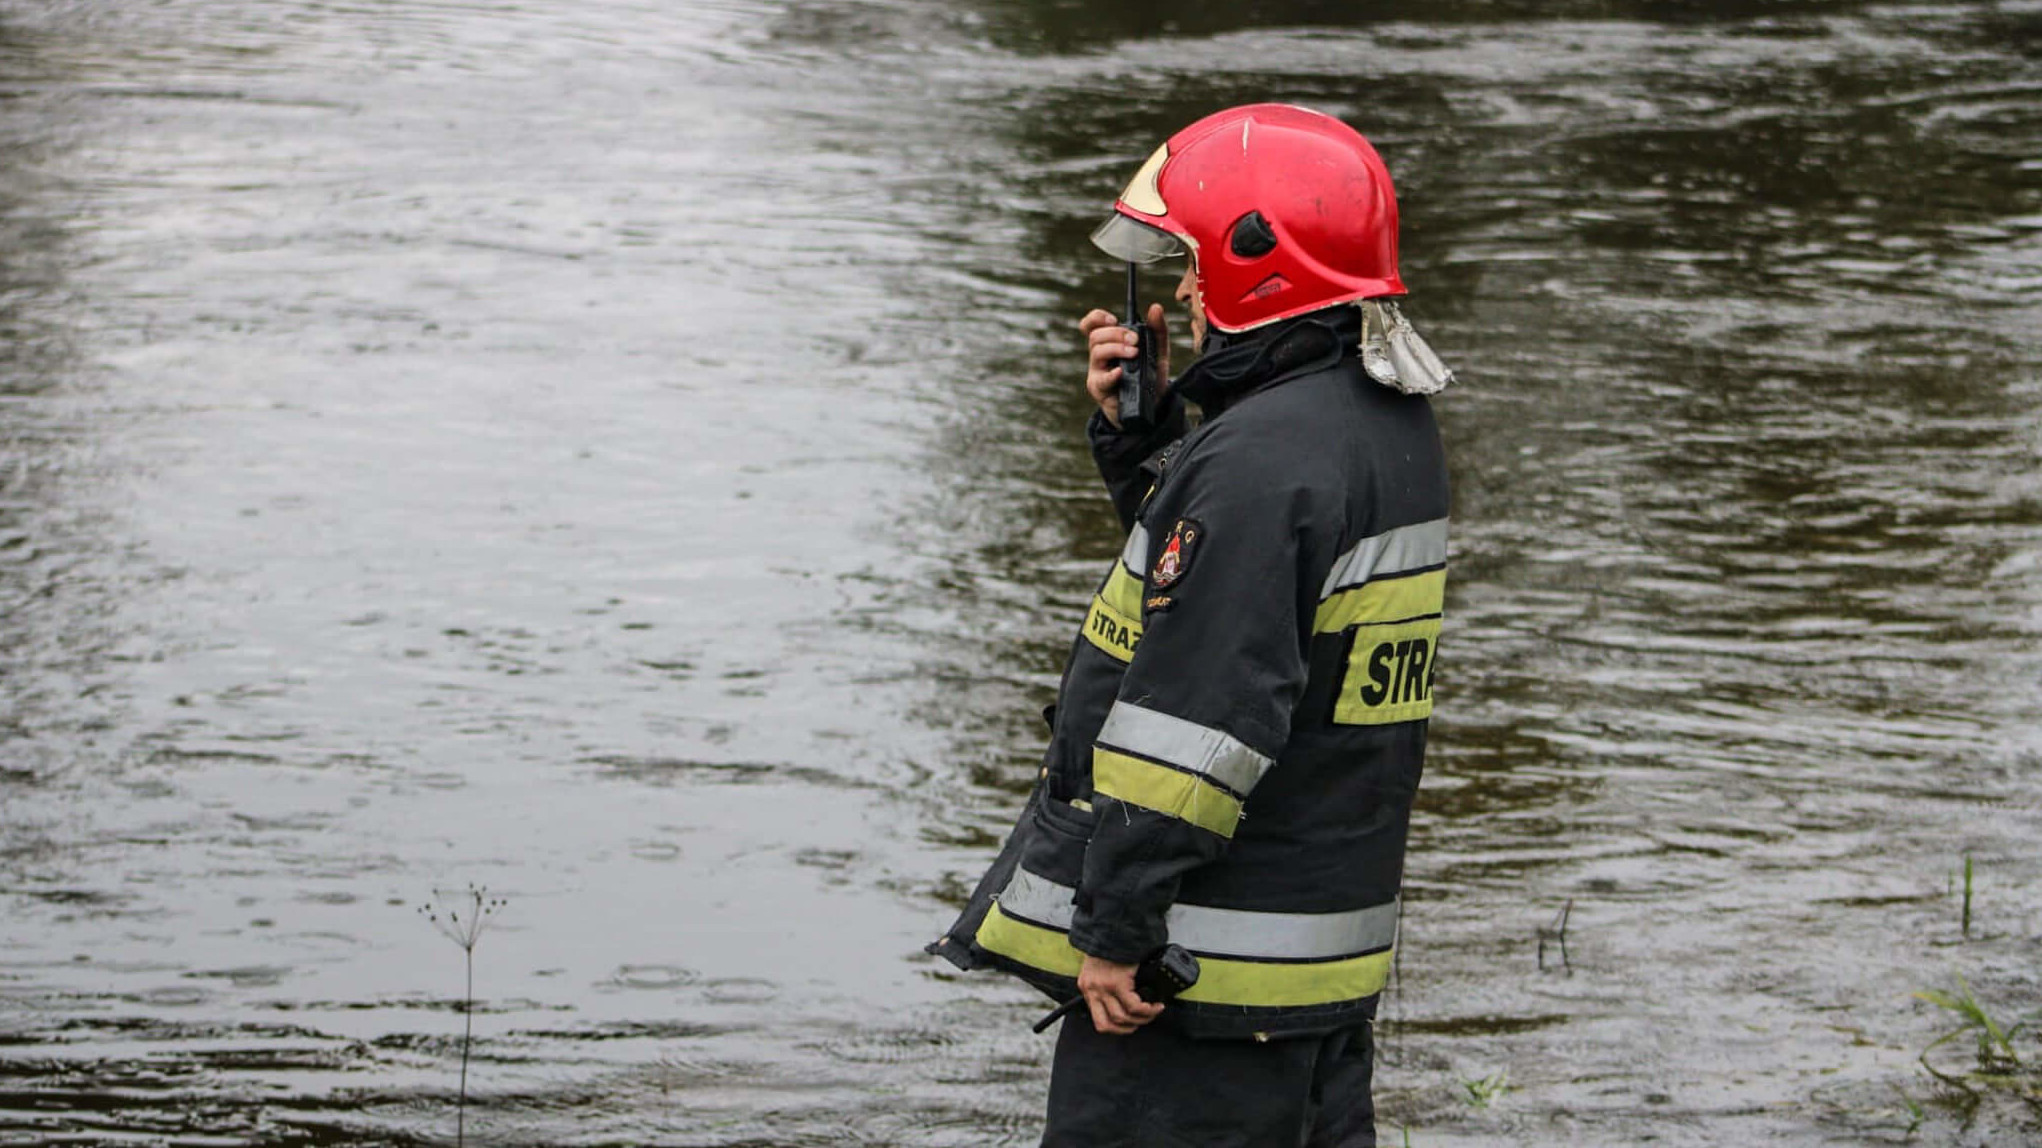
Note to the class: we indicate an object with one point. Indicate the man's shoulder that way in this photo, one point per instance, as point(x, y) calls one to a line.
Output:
point(1302, 429)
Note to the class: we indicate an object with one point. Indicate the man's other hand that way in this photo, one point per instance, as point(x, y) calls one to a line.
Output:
point(1107, 342)
point(1108, 987)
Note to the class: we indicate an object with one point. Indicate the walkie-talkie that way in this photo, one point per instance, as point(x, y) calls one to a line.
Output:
point(1167, 972)
point(1140, 389)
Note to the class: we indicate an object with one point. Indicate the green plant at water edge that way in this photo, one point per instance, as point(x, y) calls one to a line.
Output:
point(1485, 1091)
point(1967, 896)
point(445, 912)
point(1999, 1065)
point(1915, 1114)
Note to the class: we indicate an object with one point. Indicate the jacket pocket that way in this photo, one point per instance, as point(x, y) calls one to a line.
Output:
point(1056, 847)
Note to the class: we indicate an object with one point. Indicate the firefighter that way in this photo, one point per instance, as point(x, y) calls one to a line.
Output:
point(1239, 732)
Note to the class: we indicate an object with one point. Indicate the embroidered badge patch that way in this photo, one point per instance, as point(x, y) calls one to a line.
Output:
point(1175, 559)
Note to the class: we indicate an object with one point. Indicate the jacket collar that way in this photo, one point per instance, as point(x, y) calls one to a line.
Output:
point(1234, 366)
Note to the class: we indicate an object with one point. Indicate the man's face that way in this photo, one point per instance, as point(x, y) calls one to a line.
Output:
point(1187, 294)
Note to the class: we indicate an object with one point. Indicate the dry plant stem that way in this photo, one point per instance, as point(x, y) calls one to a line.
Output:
point(465, 934)
point(467, 1037)
point(1557, 931)
point(1967, 896)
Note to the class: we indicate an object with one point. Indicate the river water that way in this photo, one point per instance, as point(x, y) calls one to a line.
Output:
point(626, 455)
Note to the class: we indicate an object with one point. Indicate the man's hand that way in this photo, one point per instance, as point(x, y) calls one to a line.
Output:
point(1106, 341)
point(1108, 987)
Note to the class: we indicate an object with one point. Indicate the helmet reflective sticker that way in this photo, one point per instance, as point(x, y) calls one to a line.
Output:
point(1141, 193)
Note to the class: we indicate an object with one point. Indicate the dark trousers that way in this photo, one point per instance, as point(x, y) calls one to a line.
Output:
point(1161, 1089)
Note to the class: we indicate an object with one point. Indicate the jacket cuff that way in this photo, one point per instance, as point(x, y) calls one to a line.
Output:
point(1119, 453)
point(1116, 931)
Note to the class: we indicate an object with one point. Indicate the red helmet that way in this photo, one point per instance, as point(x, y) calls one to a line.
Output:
point(1283, 210)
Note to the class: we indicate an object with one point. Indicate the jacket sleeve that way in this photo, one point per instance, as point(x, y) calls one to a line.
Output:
point(1120, 455)
point(1205, 707)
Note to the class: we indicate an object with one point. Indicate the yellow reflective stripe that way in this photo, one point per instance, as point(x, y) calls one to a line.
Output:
point(1123, 591)
point(1031, 944)
point(1221, 981)
point(1113, 632)
point(1384, 600)
point(1266, 985)
point(1389, 674)
point(1173, 793)
point(1114, 623)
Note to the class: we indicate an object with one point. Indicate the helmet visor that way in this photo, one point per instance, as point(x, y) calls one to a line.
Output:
point(1134, 241)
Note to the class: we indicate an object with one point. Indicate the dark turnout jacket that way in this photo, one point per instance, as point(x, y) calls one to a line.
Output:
point(1239, 732)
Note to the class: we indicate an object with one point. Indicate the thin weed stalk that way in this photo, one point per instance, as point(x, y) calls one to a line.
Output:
point(1915, 1113)
point(444, 912)
point(467, 1040)
point(1557, 932)
point(1967, 896)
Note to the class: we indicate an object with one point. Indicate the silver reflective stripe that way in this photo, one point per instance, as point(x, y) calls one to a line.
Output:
point(1413, 547)
point(1227, 932)
point(1186, 745)
point(1038, 899)
point(1283, 936)
point(1135, 556)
